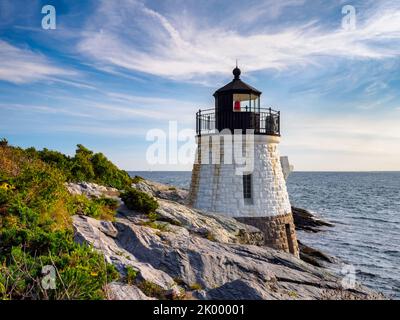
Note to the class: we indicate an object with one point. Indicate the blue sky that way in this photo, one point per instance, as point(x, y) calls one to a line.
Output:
point(112, 70)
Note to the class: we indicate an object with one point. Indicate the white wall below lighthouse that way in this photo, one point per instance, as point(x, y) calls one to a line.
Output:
point(217, 188)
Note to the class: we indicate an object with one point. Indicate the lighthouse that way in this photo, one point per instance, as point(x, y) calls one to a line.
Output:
point(248, 184)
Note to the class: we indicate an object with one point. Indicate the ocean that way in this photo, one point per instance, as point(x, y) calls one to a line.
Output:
point(365, 208)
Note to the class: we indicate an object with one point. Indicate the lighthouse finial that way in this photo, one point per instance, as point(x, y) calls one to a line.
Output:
point(236, 72)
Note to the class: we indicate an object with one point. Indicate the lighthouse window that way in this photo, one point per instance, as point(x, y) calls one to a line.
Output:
point(247, 188)
point(246, 103)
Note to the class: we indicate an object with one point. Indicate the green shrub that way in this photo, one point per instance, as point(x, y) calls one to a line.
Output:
point(195, 286)
point(153, 216)
point(3, 142)
point(137, 179)
point(108, 174)
point(131, 275)
point(162, 226)
point(36, 229)
point(80, 273)
point(108, 202)
point(139, 201)
point(151, 289)
point(54, 158)
point(98, 208)
point(84, 166)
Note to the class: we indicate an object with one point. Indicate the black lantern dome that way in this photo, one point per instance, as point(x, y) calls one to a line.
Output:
point(237, 106)
point(237, 86)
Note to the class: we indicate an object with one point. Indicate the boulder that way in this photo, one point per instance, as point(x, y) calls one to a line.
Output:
point(122, 291)
point(314, 256)
point(91, 190)
point(305, 220)
point(162, 191)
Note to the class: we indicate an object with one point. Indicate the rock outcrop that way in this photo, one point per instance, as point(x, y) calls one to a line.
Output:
point(91, 190)
point(305, 220)
point(314, 256)
point(162, 191)
point(176, 260)
point(187, 254)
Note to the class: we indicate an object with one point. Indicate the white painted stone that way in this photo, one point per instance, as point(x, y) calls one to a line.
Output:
point(220, 189)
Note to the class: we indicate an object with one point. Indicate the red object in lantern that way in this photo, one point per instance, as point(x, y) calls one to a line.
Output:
point(236, 106)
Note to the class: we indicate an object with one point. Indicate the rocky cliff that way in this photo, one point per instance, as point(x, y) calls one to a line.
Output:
point(188, 254)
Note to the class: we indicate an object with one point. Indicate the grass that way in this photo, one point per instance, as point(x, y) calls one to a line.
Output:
point(161, 226)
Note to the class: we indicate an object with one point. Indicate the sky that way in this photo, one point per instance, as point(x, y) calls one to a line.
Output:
point(113, 70)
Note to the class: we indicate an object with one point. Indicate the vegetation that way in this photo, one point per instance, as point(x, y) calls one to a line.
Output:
point(139, 201)
point(98, 208)
point(85, 166)
point(162, 226)
point(131, 275)
point(195, 286)
point(137, 179)
point(36, 232)
point(151, 289)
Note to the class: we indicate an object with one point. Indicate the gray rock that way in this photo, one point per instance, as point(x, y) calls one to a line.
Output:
point(214, 227)
point(222, 270)
point(162, 191)
point(314, 256)
point(91, 190)
point(108, 229)
point(122, 291)
point(305, 220)
point(90, 231)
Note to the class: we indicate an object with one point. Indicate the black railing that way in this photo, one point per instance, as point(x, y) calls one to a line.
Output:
point(263, 121)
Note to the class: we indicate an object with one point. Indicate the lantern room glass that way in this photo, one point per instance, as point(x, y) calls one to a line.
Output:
point(246, 102)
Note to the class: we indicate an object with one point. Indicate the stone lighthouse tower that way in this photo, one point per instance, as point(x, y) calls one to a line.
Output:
point(254, 194)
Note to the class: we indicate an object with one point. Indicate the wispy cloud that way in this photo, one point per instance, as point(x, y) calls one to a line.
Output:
point(49, 110)
point(23, 65)
point(151, 42)
point(355, 134)
point(113, 106)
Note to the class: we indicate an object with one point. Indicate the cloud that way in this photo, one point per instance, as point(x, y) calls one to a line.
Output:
point(23, 65)
point(351, 134)
point(342, 142)
point(136, 37)
point(144, 111)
